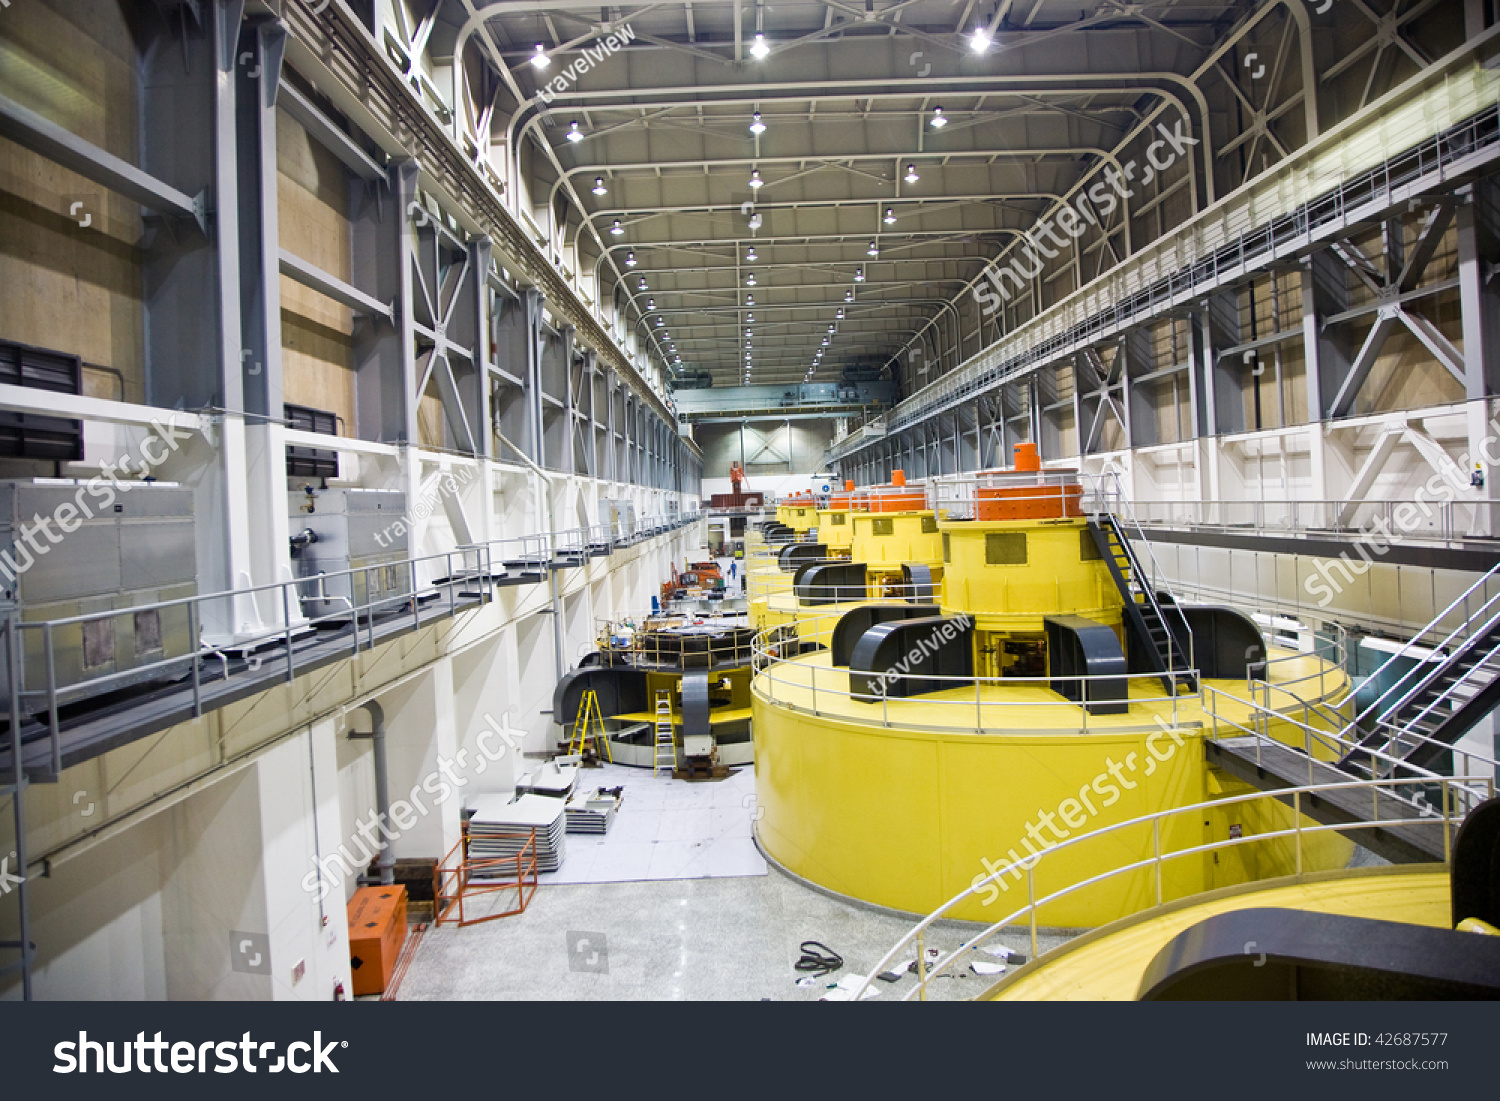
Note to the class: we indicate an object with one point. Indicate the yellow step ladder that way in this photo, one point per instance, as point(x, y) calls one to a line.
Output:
point(664, 749)
point(588, 728)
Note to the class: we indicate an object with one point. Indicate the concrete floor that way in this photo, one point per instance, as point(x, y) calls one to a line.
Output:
point(689, 939)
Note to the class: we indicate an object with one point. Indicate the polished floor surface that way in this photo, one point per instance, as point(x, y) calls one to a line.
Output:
point(681, 939)
point(674, 903)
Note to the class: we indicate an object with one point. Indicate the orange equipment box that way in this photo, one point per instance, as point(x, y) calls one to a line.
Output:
point(377, 929)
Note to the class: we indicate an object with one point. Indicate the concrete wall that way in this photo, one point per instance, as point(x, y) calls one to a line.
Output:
point(769, 448)
point(216, 827)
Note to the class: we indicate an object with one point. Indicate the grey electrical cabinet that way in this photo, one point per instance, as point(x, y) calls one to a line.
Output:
point(74, 548)
point(365, 530)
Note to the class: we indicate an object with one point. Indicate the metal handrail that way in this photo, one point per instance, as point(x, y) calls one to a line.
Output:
point(1158, 857)
point(771, 664)
point(1409, 729)
point(288, 593)
point(1286, 515)
point(1112, 501)
point(1052, 333)
point(1431, 628)
point(1335, 741)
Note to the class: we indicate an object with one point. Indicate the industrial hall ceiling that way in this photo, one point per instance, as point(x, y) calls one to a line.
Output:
point(812, 191)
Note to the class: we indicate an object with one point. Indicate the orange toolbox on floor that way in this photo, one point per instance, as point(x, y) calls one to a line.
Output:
point(377, 929)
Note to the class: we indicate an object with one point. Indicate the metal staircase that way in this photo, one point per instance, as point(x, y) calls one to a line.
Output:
point(1453, 683)
point(1163, 640)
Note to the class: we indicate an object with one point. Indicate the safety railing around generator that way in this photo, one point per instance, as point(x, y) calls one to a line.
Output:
point(671, 641)
point(1458, 796)
point(789, 674)
point(47, 666)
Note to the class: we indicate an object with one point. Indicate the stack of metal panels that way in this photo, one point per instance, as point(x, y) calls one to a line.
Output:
point(499, 828)
point(591, 813)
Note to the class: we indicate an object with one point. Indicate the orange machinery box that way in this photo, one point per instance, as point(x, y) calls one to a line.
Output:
point(377, 929)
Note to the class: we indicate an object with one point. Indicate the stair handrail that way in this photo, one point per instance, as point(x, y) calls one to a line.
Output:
point(925, 975)
point(1334, 741)
point(1431, 628)
point(1405, 730)
point(1149, 583)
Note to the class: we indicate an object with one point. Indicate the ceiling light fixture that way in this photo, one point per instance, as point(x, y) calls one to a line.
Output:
point(630, 260)
point(840, 314)
point(755, 180)
point(873, 250)
point(599, 188)
point(890, 216)
point(749, 299)
point(760, 48)
point(750, 280)
point(650, 303)
point(540, 58)
point(574, 134)
point(980, 40)
point(756, 126)
point(848, 296)
point(750, 256)
point(642, 284)
point(938, 121)
point(616, 228)
point(859, 275)
point(911, 174)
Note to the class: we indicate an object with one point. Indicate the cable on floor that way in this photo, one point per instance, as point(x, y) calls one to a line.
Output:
point(818, 958)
